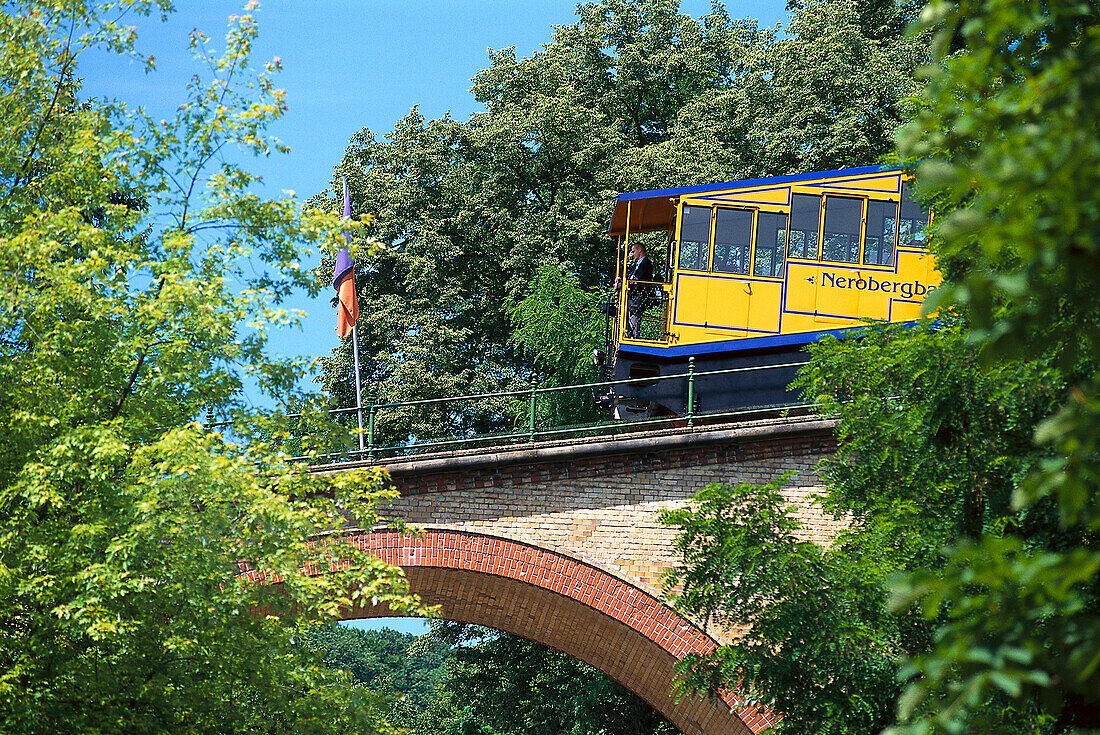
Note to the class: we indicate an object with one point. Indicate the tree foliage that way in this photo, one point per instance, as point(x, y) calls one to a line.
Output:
point(967, 467)
point(932, 445)
point(558, 326)
point(1014, 156)
point(500, 684)
point(816, 646)
point(133, 255)
point(930, 448)
point(460, 678)
point(404, 668)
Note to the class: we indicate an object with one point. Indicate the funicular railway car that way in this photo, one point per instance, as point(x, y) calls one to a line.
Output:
point(751, 271)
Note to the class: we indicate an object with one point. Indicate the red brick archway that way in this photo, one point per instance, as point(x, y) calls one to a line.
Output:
point(567, 604)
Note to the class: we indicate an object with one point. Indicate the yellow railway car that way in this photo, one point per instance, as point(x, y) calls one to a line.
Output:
point(750, 271)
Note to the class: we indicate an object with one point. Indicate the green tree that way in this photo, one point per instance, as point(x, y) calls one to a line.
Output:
point(500, 683)
point(461, 678)
point(826, 93)
point(968, 460)
point(1011, 155)
point(406, 668)
point(932, 445)
point(560, 325)
point(633, 95)
point(817, 647)
point(133, 255)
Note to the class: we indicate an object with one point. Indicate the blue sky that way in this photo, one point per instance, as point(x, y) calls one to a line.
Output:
point(347, 65)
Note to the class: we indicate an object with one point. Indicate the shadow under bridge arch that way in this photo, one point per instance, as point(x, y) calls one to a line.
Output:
point(566, 604)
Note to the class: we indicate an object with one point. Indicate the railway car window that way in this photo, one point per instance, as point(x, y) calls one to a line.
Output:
point(841, 238)
point(805, 211)
point(913, 222)
point(771, 243)
point(878, 241)
point(695, 238)
point(732, 240)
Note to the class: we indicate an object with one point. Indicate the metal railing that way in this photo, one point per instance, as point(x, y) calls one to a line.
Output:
point(525, 429)
point(646, 305)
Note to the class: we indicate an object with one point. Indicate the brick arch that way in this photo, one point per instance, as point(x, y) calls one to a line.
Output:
point(567, 604)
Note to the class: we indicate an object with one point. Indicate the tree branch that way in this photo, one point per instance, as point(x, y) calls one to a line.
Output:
point(129, 387)
point(66, 68)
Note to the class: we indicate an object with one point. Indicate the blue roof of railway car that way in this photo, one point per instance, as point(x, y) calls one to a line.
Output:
point(679, 191)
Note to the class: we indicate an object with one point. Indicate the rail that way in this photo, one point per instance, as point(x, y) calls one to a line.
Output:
point(525, 427)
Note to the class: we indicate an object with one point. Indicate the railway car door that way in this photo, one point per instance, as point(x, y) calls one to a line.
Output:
point(879, 237)
point(728, 297)
point(769, 247)
point(691, 283)
point(802, 255)
point(838, 292)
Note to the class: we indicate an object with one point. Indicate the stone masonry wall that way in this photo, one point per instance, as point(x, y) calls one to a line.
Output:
point(602, 508)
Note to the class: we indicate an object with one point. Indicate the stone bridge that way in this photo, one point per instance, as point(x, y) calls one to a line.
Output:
point(559, 542)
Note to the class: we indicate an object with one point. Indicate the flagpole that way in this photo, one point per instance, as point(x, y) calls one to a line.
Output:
point(358, 390)
point(344, 266)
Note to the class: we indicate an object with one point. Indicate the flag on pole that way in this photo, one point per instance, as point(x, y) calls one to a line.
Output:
point(343, 280)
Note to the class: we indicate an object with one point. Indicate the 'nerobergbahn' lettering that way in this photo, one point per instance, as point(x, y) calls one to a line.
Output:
point(905, 289)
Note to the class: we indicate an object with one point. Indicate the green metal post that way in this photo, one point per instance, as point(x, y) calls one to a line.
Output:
point(531, 424)
point(370, 426)
point(691, 390)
